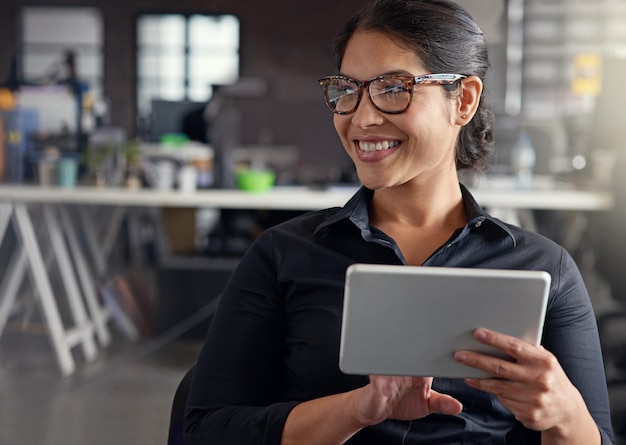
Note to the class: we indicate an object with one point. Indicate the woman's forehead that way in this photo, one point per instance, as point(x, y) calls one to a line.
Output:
point(373, 52)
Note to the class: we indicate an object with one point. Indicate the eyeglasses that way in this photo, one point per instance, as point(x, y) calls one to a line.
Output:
point(390, 93)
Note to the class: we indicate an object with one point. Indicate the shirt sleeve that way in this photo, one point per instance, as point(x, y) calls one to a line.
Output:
point(235, 394)
point(571, 334)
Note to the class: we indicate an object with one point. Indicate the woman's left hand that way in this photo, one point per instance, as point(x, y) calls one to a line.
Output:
point(533, 386)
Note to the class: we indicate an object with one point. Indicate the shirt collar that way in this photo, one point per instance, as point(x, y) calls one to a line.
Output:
point(355, 210)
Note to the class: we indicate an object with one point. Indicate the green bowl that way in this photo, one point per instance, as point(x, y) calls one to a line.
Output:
point(255, 180)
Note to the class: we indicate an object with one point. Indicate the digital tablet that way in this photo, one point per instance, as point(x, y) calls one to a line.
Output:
point(406, 320)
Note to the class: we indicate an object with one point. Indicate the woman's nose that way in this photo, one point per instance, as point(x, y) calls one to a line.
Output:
point(366, 114)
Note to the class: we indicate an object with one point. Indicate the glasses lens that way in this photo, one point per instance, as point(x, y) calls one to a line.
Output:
point(390, 94)
point(342, 95)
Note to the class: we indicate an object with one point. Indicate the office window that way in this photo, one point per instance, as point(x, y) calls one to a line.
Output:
point(60, 45)
point(180, 57)
point(48, 33)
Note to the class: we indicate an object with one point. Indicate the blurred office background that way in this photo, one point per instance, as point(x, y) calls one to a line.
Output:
point(117, 87)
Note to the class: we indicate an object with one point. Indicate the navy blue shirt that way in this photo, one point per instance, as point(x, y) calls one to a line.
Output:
point(274, 340)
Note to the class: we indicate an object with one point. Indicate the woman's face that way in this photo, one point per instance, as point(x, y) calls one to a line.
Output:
point(421, 141)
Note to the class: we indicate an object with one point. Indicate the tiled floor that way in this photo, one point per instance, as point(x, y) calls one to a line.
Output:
point(124, 397)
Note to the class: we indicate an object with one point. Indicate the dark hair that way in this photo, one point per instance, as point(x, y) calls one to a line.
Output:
point(445, 39)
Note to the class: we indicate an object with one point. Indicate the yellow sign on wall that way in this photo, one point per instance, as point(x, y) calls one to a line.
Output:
point(587, 80)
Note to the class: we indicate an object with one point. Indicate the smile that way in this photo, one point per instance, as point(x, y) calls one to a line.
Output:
point(377, 146)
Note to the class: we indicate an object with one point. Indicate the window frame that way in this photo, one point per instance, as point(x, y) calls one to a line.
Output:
point(143, 96)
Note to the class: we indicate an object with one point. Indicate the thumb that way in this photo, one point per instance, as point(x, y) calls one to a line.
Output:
point(443, 403)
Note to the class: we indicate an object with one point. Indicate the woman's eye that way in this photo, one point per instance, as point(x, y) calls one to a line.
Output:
point(395, 89)
point(348, 89)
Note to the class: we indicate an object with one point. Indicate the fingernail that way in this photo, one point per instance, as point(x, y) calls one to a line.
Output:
point(480, 334)
point(460, 357)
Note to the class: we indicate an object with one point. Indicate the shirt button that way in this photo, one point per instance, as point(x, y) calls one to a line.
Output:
point(478, 223)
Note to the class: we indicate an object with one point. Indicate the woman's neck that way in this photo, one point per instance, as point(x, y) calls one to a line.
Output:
point(434, 204)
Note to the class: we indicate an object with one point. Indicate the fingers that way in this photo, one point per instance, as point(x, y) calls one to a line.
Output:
point(532, 384)
point(405, 398)
point(525, 357)
point(443, 403)
point(495, 366)
point(500, 387)
point(511, 346)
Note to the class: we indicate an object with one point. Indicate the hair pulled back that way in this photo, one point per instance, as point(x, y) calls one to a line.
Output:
point(445, 39)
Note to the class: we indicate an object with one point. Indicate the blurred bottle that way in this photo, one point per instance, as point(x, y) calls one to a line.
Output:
point(7, 99)
point(187, 178)
point(523, 158)
point(7, 102)
point(18, 126)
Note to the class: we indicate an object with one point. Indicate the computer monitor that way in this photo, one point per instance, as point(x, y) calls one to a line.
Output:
point(168, 116)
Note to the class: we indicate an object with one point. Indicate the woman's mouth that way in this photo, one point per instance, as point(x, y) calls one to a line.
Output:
point(377, 146)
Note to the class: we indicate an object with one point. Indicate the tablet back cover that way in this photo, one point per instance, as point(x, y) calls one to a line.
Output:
point(405, 320)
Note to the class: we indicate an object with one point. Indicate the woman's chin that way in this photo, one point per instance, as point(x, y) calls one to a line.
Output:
point(373, 183)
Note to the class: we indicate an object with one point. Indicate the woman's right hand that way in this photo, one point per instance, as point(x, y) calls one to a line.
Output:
point(401, 398)
point(334, 419)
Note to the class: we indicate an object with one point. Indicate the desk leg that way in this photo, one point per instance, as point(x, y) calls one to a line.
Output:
point(113, 231)
point(99, 315)
point(575, 232)
point(14, 275)
point(44, 289)
point(5, 218)
point(83, 324)
point(100, 251)
point(527, 219)
point(11, 283)
point(91, 241)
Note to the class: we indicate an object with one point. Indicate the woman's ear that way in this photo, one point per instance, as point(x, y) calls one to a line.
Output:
point(469, 99)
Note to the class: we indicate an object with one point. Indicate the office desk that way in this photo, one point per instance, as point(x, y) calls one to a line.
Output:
point(287, 198)
point(293, 198)
point(72, 252)
point(500, 196)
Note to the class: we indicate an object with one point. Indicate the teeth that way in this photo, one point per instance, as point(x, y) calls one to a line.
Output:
point(377, 146)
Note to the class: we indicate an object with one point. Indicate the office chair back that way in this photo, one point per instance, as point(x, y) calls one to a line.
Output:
point(177, 416)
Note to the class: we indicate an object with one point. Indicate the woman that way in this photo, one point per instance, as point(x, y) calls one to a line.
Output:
point(409, 111)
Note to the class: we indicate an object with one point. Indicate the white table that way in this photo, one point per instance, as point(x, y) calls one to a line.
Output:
point(294, 198)
point(504, 200)
point(18, 202)
point(287, 198)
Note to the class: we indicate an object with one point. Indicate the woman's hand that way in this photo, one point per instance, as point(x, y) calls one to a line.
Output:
point(334, 419)
point(401, 398)
point(533, 387)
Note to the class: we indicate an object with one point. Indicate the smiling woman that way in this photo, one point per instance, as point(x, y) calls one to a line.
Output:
point(407, 103)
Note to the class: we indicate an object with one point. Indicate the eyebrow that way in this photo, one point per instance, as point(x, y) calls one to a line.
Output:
point(402, 72)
